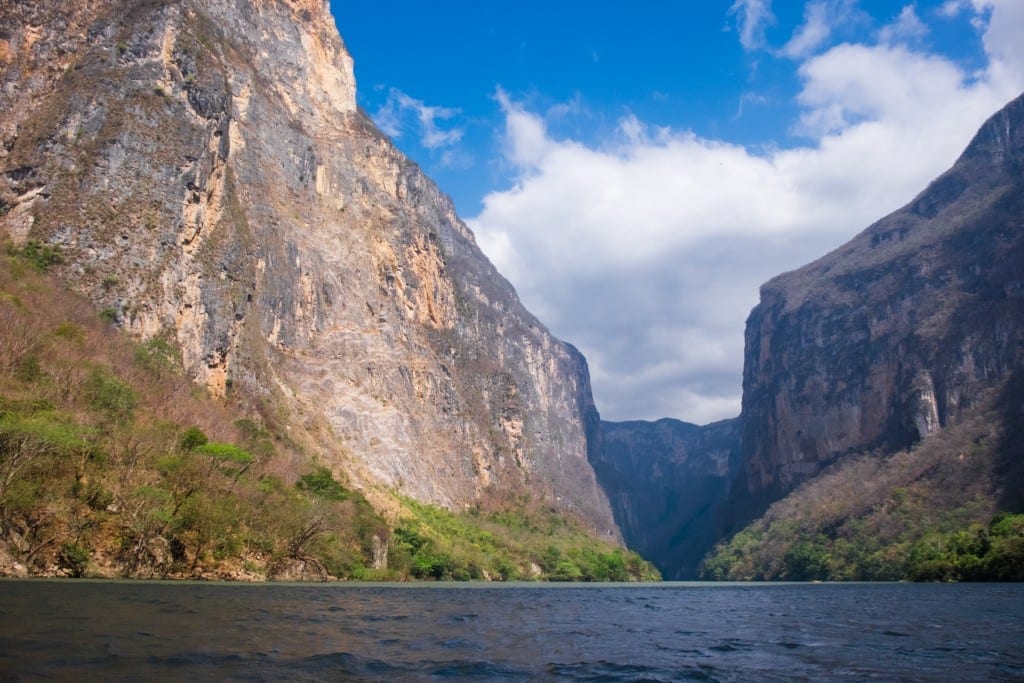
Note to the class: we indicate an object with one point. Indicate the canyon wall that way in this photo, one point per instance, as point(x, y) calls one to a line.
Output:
point(209, 179)
point(900, 332)
point(667, 482)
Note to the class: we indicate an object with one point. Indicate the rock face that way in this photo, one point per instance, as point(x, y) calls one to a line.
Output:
point(667, 482)
point(209, 179)
point(899, 332)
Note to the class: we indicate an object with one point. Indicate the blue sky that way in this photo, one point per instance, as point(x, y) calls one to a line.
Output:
point(638, 169)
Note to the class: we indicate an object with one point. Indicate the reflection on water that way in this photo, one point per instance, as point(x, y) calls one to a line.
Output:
point(135, 630)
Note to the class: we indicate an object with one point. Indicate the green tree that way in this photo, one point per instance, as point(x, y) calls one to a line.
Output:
point(192, 438)
point(322, 484)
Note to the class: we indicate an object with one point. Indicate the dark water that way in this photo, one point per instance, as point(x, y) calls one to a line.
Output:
point(674, 632)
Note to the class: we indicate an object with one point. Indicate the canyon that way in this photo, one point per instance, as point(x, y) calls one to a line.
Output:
point(904, 346)
point(208, 182)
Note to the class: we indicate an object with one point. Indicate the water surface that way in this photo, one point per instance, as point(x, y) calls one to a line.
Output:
point(667, 632)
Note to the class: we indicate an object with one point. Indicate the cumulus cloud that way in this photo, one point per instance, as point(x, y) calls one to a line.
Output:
point(1002, 37)
point(753, 17)
point(647, 251)
point(401, 113)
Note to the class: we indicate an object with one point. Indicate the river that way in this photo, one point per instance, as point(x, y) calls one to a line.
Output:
point(95, 630)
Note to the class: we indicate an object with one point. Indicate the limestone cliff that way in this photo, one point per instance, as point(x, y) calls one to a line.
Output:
point(209, 178)
point(668, 482)
point(898, 333)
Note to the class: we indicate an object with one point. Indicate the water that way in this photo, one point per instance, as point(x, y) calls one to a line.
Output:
point(673, 632)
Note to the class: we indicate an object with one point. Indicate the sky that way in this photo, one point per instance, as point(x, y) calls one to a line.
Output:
point(637, 170)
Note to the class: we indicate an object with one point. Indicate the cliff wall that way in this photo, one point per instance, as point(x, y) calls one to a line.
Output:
point(209, 179)
point(668, 482)
point(898, 333)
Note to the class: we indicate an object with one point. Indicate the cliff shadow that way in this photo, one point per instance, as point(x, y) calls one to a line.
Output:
point(1009, 465)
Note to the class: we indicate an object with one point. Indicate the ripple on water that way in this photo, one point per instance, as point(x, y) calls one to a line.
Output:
point(610, 671)
point(119, 631)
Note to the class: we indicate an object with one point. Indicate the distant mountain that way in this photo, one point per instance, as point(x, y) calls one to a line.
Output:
point(666, 481)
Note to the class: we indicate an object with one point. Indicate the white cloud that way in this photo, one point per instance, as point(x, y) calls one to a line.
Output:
point(813, 32)
point(1002, 39)
point(402, 113)
point(821, 18)
point(747, 99)
point(574, 107)
point(907, 27)
point(1001, 22)
point(753, 17)
point(853, 83)
point(951, 8)
point(525, 138)
point(647, 251)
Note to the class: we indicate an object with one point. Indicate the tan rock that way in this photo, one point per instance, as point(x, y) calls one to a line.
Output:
point(209, 158)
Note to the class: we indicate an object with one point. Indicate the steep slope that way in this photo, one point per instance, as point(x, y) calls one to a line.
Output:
point(937, 511)
point(209, 179)
point(884, 392)
point(667, 482)
point(897, 334)
point(113, 465)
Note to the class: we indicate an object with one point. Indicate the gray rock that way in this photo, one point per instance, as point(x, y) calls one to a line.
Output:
point(899, 332)
point(208, 156)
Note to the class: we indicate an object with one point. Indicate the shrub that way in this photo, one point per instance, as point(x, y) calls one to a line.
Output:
point(231, 460)
point(28, 369)
point(40, 255)
point(156, 356)
point(805, 561)
point(566, 570)
point(225, 452)
point(69, 331)
point(109, 394)
point(192, 438)
point(74, 558)
point(427, 565)
point(322, 484)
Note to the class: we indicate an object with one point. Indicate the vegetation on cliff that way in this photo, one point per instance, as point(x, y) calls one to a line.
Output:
point(906, 343)
point(113, 464)
point(521, 543)
point(928, 513)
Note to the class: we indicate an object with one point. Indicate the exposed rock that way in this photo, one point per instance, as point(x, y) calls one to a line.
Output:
point(207, 174)
point(667, 482)
point(294, 569)
point(923, 406)
point(380, 552)
point(900, 331)
point(9, 566)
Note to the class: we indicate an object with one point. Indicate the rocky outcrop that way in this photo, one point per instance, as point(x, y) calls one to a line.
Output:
point(668, 482)
point(898, 333)
point(209, 179)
